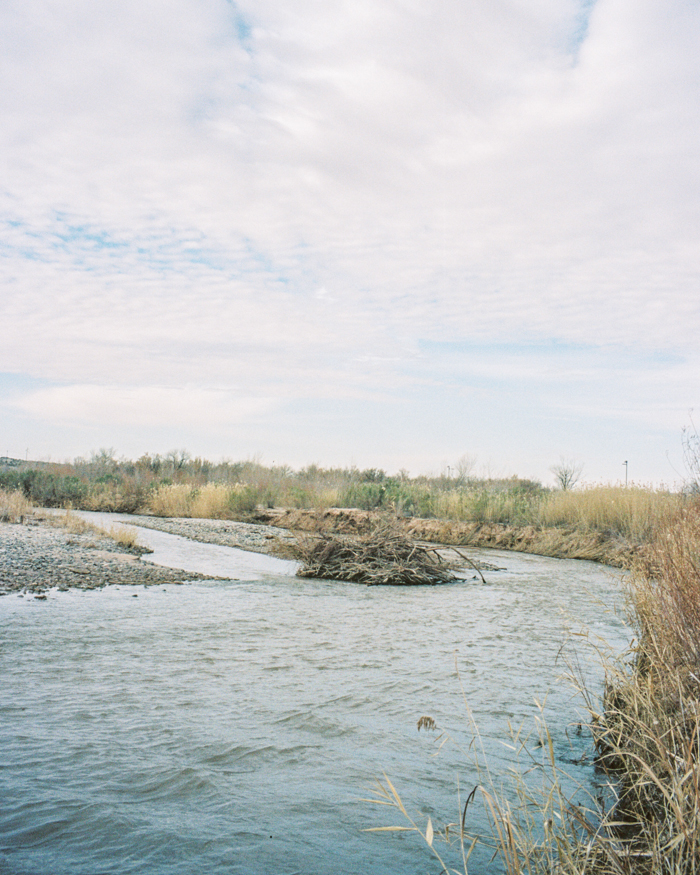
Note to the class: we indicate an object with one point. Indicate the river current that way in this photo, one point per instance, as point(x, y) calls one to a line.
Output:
point(235, 726)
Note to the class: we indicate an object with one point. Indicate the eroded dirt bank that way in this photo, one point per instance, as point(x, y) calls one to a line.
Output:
point(561, 543)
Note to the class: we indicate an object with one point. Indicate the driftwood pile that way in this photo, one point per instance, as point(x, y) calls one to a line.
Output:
point(385, 557)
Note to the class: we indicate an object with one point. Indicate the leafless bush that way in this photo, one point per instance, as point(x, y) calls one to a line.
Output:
point(567, 473)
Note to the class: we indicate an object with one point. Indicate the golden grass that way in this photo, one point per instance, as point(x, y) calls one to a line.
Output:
point(212, 501)
point(171, 501)
point(665, 592)
point(14, 507)
point(125, 536)
point(71, 522)
point(632, 512)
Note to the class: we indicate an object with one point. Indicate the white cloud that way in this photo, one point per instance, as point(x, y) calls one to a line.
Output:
point(143, 405)
point(294, 196)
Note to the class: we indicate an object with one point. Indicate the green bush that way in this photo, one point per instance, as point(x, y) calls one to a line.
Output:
point(366, 495)
point(244, 500)
point(51, 490)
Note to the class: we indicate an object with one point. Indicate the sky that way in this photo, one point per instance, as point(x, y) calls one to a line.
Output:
point(382, 233)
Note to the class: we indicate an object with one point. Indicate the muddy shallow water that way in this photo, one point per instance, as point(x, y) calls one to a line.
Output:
point(235, 725)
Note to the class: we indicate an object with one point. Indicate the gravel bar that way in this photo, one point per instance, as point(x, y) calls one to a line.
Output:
point(258, 538)
point(36, 556)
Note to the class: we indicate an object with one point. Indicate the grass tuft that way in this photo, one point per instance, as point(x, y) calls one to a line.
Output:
point(125, 536)
point(14, 506)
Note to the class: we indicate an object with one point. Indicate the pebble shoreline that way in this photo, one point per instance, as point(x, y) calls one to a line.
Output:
point(36, 556)
point(259, 538)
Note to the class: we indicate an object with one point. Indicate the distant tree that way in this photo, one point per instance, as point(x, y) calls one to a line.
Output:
point(178, 459)
point(104, 461)
point(464, 468)
point(567, 473)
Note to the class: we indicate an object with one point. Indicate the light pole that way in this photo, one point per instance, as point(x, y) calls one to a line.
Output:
point(625, 464)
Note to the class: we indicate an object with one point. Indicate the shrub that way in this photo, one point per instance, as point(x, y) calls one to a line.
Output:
point(243, 499)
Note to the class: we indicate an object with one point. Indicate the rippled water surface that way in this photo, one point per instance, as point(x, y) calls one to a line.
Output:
point(234, 726)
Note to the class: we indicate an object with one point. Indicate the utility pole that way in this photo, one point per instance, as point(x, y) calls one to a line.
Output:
point(625, 464)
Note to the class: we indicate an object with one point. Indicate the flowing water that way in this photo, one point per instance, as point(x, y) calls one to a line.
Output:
point(234, 726)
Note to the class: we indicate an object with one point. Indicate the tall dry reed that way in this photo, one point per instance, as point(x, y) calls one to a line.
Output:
point(212, 501)
point(174, 500)
point(14, 507)
point(631, 512)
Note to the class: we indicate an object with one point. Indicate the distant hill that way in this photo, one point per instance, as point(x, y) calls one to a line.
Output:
point(7, 462)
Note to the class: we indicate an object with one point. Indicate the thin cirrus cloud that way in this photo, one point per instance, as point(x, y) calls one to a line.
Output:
point(307, 200)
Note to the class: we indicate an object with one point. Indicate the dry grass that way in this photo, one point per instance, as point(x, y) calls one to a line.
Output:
point(631, 512)
point(14, 507)
point(665, 591)
point(212, 501)
point(174, 500)
point(649, 733)
point(634, 513)
point(537, 831)
point(125, 536)
point(72, 523)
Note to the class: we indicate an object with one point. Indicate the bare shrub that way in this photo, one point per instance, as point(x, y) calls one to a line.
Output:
point(567, 473)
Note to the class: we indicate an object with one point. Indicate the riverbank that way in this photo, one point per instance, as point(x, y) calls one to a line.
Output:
point(276, 531)
point(39, 554)
point(555, 542)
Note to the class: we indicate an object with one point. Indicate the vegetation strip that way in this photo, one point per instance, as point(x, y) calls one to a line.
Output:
point(603, 523)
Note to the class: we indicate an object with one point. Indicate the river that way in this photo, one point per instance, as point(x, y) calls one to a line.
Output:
point(235, 726)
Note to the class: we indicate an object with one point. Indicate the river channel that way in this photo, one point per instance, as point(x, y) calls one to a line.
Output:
point(236, 725)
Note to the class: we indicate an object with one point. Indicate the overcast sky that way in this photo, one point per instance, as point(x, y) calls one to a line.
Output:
point(376, 232)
